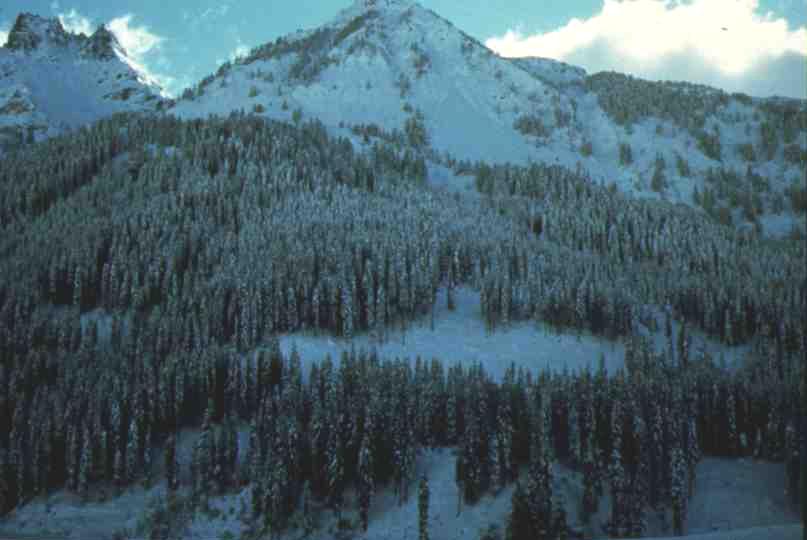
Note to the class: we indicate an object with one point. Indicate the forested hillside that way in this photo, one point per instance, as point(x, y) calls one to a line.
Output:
point(203, 240)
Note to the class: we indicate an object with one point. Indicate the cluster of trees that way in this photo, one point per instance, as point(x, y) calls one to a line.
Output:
point(203, 239)
point(529, 124)
point(732, 284)
point(639, 432)
point(625, 154)
point(627, 100)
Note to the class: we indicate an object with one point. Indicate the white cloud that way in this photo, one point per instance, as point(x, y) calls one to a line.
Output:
point(5, 28)
point(137, 40)
point(141, 45)
point(678, 40)
point(74, 22)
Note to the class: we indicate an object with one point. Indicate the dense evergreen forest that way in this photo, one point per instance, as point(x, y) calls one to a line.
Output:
point(203, 240)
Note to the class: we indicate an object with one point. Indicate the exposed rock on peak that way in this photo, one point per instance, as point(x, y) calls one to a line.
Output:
point(30, 31)
point(101, 45)
point(381, 4)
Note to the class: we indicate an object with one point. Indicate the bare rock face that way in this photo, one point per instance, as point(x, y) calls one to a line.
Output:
point(30, 31)
point(101, 45)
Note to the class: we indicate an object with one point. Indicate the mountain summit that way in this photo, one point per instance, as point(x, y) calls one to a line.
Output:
point(31, 31)
point(34, 33)
point(394, 70)
point(394, 63)
point(52, 80)
point(103, 45)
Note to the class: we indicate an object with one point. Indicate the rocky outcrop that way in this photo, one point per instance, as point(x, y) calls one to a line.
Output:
point(31, 31)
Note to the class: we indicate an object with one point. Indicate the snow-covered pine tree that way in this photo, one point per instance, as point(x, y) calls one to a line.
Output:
point(232, 456)
point(498, 474)
point(679, 489)
point(575, 453)
point(171, 463)
point(72, 458)
point(437, 409)
point(637, 518)
point(451, 409)
point(319, 450)
point(202, 456)
point(519, 522)
point(147, 468)
point(335, 473)
point(471, 459)
point(560, 525)
point(220, 464)
point(619, 485)
point(590, 501)
point(683, 345)
point(365, 480)
point(119, 469)
point(803, 444)
point(423, 509)
point(733, 439)
point(792, 463)
point(85, 465)
point(539, 484)
point(258, 492)
point(693, 453)
point(248, 471)
point(485, 438)
point(459, 479)
point(276, 478)
point(347, 308)
point(102, 463)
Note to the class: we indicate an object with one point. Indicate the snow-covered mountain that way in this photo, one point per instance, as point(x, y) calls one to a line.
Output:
point(404, 71)
point(52, 80)
point(393, 62)
point(381, 62)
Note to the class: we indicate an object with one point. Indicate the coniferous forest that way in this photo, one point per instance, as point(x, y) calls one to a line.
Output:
point(203, 240)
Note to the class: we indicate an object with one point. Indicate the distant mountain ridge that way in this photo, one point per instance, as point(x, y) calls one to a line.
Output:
point(400, 68)
point(394, 70)
point(52, 80)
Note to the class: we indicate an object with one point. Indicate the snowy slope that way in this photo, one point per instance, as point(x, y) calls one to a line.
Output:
point(51, 80)
point(384, 61)
point(356, 63)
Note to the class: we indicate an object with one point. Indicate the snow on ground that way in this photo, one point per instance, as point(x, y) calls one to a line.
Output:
point(738, 494)
point(460, 337)
point(778, 532)
point(733, 356)
point(733, 500)
point(729, 494)
point(780, 225)
point(441, 177)
point(63, 515)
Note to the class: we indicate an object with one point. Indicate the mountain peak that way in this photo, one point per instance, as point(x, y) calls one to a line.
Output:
point(30, 31)
point(381, 4)
point(102, 45)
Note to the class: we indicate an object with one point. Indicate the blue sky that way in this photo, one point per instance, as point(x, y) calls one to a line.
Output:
point(763, 50)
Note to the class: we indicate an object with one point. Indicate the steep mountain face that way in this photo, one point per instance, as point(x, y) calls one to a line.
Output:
point(52, 80)
point(383, 62)
point(400, 66)
point(392, 70)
